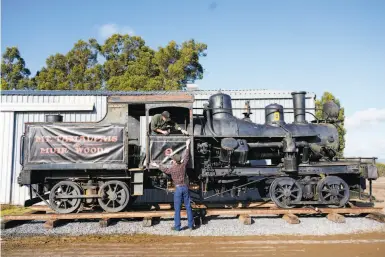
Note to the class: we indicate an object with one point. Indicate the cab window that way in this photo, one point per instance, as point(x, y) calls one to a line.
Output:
point(179, 115)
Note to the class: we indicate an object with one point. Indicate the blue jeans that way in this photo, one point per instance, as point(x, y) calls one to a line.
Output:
point(181, 192)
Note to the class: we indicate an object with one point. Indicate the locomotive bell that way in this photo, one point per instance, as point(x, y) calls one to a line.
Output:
point(274, 114)
point(220, 105)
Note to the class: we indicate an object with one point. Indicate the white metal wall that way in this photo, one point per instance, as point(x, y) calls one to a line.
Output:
point(6, 157)
point(11, 132)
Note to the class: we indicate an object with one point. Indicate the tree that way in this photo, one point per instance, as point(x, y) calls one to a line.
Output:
point(341, 118)
point(179, 65)
point(129, 65)
point(77, 70)
point(54, 76)
point(14, 74)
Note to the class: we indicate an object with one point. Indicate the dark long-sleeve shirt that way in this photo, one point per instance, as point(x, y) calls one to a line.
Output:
point(178, 171)
point(158, 123)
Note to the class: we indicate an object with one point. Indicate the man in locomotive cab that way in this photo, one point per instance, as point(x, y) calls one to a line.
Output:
point(162, 123)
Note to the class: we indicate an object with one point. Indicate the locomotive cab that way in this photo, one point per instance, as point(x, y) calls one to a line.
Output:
point(161, 148)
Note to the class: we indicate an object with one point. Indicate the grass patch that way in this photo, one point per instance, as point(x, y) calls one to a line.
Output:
point(7, 209)
point(381, 169)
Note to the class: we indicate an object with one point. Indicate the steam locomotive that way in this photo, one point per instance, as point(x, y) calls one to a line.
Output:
point(107, 164)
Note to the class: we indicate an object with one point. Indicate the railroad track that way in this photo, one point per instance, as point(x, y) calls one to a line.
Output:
point(43, 213)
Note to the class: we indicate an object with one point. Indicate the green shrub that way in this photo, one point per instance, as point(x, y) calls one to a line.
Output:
point(381, 169)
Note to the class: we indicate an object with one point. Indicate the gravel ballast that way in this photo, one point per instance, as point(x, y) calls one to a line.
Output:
point(222, 226)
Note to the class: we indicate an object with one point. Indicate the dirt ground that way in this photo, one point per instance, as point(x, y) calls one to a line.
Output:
point(142, 245)
point(353, 245)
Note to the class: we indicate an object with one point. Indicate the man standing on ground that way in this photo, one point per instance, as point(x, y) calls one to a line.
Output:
point(177, 172)
point(160, 124)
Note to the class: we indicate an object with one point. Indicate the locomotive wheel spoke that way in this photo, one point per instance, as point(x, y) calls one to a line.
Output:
point(280, 196)
point(72, 202)
point(121, 201)
point(327, 195)
point(279, 190)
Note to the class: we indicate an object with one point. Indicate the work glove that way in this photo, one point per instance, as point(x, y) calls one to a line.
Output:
point(184, 132)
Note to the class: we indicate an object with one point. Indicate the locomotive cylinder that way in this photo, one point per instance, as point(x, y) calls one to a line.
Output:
point(299, 106)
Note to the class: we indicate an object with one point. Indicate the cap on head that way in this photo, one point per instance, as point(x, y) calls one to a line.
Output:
point(166, 114)
point(177, 158)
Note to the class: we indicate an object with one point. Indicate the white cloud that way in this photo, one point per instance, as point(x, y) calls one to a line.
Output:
point(366, 117)
point(109, 29)
point(365, 134)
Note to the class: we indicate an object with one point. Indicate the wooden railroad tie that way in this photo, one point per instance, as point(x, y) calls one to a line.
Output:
point(377, 216)
point(103, 223)
point(245, 219)
point(50, 224)
point(147, 222)
point(291, 218)
point(335, 217)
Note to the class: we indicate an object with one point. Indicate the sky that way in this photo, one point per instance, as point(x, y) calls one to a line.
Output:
point(316, 46)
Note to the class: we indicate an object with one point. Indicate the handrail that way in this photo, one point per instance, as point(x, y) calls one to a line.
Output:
point(21, 161)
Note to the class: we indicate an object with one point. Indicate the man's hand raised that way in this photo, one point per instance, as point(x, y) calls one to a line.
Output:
point(188, 143)
point(154, 164)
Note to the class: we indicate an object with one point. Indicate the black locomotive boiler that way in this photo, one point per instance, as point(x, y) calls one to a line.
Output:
point(107, 164)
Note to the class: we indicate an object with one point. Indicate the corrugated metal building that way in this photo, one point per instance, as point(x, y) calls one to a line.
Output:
point(19, 107)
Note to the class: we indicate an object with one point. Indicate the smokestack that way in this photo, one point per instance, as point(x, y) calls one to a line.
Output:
point(299, 106)
point(54, 118)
